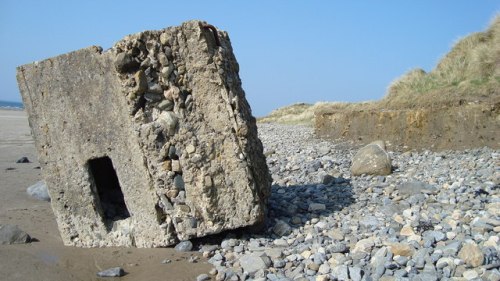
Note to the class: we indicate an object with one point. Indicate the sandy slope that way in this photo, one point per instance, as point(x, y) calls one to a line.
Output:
point(49, 259)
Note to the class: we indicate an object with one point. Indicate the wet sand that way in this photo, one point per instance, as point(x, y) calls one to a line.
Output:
point(47, 258)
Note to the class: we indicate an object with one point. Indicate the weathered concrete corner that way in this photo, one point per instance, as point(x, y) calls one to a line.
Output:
point(149, 142)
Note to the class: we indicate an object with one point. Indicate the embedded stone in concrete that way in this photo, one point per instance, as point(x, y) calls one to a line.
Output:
point(148, 143)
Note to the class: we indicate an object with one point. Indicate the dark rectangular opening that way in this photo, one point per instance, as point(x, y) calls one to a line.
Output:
point(108, 191)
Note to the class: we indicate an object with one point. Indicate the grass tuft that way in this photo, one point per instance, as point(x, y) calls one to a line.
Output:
point(470, 72)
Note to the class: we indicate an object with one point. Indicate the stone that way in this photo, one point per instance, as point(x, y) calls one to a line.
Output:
point(169, 121)
point(221, 276)
point(112, 115)
point(12, 234)
point(39, 191)
point(401, 249)
point(413, 188)
point(252, 263)
point(444, 262)
point(184, 246)
point(23, 160)
point(324, 268)
point(470, 274)
point(369, 221)
point(282, 228)
point(190, 149)
point(340, 272)
point(322, 277)
point(339, 248)
point(111, 272)
point(491, 275)
point(364, 245)
point(407, 230)
point(125, 62)
point(452, 248)
point(141, 84)
point(166, 105)
point(203, 277)
point(355, 273)
point(317, 207)
point(371, 160)
point(471, 254)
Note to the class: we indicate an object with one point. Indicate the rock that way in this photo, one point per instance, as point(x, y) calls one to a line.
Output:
point(491, 275)
point(371, 160)
point(281, 228)
point(153, 97)
point(252, 263)
point(221, 276)
point(317, 207)
point(324, 268)
point(118, 126)
point(470, 274)
point(169, 121)
point(355, 273)
point(111, 272)
point(178, 180)
point(407, 230)
point(401, 249)
point(471, 254)
point(364, 245)
point(322, 277)
point(23, 159)
point(12, 234)
point(340, 272)
point(452, 248)
point(434, 235)
point(203, 277)
point(166, 105)
point(369, 221)
point(184, 246)
point(313, 266)
point(413, 188)
point(339, 248)
point(124, 62)
point(141, 84)
point(444, 262)
point(39, 191)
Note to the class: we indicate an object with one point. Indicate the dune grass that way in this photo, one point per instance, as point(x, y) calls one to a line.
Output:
point(470, 72)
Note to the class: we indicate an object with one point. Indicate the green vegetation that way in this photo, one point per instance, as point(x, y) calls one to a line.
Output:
point(295, 114)
point(303, 113)
point(470, 72)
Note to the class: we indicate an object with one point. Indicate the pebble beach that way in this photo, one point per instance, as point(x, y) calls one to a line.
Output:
point(435, 217)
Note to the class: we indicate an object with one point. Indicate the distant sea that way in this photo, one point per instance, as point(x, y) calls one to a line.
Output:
point(11, 105)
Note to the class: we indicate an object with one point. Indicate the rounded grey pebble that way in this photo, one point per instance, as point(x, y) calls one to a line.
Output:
point(111, 272)
point(203, 277)
point(184, 246)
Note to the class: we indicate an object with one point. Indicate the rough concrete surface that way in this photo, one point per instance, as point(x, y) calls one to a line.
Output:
point(148, 143)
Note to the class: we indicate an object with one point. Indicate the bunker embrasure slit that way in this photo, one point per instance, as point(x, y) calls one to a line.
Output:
point(108, 191)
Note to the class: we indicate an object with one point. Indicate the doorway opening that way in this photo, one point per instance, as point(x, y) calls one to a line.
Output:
point(107, 191)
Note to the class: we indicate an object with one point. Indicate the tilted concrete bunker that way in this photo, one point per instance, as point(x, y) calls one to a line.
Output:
point(149, 142)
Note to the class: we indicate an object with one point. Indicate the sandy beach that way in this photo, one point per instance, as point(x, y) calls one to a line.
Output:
point(47, 258)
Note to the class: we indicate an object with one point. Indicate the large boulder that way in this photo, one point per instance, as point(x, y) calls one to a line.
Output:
point(371, 160)
point(148, 143)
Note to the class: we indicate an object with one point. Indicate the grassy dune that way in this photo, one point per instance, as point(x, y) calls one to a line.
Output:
point(469, 73)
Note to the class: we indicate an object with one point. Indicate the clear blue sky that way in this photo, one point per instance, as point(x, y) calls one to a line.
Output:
point(289, 51)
